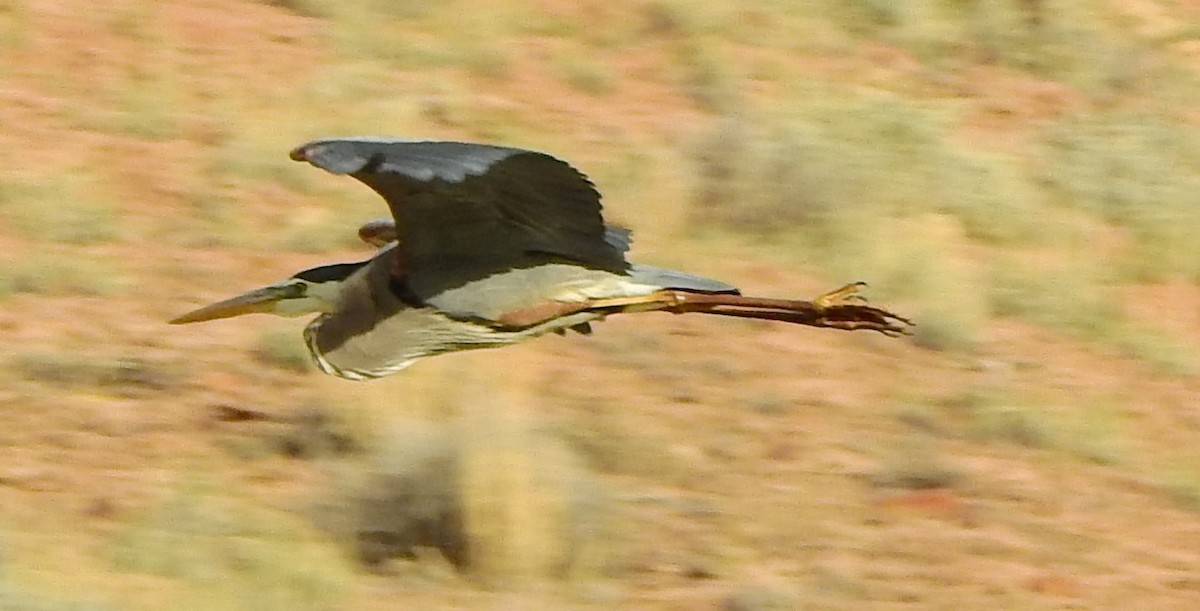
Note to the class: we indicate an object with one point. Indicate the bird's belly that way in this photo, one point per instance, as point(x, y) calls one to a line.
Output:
point(492, 297)
point(400, 340)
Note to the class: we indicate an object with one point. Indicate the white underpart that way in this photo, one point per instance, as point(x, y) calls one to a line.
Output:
point(460, 335)
point(614, 286)
point(466, 336)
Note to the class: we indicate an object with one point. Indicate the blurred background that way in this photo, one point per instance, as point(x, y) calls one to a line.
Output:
point(1019, 176)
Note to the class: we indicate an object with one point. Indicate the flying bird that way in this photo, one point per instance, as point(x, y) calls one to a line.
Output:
point(488, 246)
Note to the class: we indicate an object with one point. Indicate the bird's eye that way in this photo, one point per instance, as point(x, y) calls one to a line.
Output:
point(296, 290)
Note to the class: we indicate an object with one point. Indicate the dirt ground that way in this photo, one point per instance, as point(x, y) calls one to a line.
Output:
point(746, 465)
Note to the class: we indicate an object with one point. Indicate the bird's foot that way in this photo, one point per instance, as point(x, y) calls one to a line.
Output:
point(379, 232)
point(846, 309)
point(846, 295)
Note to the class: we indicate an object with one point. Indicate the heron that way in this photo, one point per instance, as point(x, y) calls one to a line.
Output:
point(488, 246)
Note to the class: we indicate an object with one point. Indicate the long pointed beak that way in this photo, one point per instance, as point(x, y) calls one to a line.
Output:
point(258, 300)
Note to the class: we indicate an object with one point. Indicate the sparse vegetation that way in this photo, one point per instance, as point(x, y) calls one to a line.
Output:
point(1012, 424)
point(482, 59)
point(874, 187)
point(531, 509)
point(1164, 353)
point(64, 208)
point(1019, 176)
point(406, 499)
point(230, 552)
point(257, 154)
point(320, 235)
point(609, 445)
point(1182, 485)
point(706, 77)
point(14, 599)
point(1081, 299)
point(49, 275)
point(147, 109)
point(586, 74)
point(127, 377)
point(762, 598)
point(13, 26)
point(1134, 169)
point(307, 8)
point(771, 405)
point(917, 463)
point(282, 347)
point(506, 504)
point(1094, 434)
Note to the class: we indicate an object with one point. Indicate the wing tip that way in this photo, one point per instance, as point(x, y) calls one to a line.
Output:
point(338, 156)
point(299, 153)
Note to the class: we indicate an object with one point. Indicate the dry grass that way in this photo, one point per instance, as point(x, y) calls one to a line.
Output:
point(587, 74)
point(14, 597)
point(1096, 434)
point(984, 165)
point(917, 463)
point(283, 348)
point(318, 236)
point(17, 599)
point(1078, 42)
point(128, 377)
point(67, 207)
point(531, 510)
point(1133, 169)
point(877, 187)
point(1081, 298)
point(308, 8)
point(229, 551)
point(14, 26)
point(53, 275)
point(1182, 485)
point(763, 598)
point(496, 499)
point(405, 499)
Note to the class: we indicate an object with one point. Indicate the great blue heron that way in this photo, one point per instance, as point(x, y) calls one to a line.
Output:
point(488, 246)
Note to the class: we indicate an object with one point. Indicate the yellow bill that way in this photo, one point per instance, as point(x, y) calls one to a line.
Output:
point(257, 301)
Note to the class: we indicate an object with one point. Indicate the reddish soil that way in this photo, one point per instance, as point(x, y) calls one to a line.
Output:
point(747, 461)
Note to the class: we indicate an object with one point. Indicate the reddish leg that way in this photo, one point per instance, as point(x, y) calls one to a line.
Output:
point(841, 309)
point(547, 310)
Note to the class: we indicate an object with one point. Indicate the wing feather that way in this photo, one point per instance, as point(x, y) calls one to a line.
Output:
point(465, 211)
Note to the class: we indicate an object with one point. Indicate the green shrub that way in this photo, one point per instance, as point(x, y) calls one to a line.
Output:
point(1136, 170)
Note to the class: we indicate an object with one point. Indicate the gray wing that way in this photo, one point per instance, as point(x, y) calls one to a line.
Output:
point(465, 211)
point(619, 238)
point(673, 279)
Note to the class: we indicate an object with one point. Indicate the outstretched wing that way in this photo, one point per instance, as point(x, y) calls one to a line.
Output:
point(465, 211)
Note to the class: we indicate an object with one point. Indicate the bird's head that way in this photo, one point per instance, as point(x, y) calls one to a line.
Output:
point(308, 292)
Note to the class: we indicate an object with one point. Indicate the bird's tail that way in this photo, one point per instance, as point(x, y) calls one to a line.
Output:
point(619, 238)
point(676, 280)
